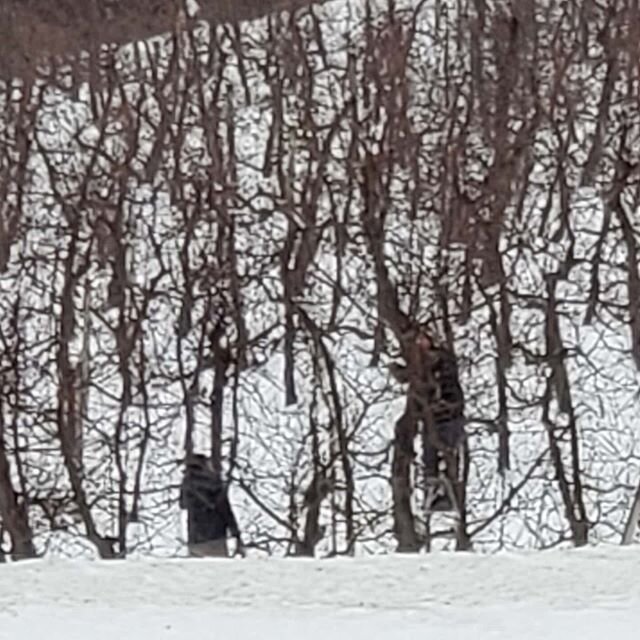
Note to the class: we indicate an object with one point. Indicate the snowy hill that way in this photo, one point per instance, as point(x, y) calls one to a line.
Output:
point(571, 594)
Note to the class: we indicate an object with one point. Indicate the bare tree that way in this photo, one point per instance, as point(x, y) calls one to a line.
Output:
point(221, 243)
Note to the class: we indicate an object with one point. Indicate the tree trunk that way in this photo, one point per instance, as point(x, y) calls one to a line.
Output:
point(317, 491)
point(14, 516)
point(403, 453)
point(633, 523)
point(558, 384)
point(463, 539)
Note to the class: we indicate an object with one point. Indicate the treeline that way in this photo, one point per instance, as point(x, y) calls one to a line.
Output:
point(219, 245)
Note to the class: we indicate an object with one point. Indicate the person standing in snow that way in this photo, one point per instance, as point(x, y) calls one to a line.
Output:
point(436, 401)
point(210, 517)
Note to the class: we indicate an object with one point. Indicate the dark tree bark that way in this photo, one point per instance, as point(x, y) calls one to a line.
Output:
point(569, 480)
point(633, 522)
point(66, 410)
point(403, 454)
point(13, 515)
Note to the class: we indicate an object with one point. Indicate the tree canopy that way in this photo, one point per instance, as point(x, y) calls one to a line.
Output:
point(33, 30)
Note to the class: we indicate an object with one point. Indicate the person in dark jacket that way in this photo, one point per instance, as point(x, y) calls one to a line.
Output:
point(210, 517)
point(435, 399)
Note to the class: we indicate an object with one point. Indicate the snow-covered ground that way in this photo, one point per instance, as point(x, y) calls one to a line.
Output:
point(586, 594)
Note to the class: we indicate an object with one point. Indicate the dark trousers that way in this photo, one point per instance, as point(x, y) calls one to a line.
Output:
point(441, 440)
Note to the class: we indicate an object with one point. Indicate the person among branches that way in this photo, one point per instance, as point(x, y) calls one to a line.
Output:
point(436, 400)
point(210, 516)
